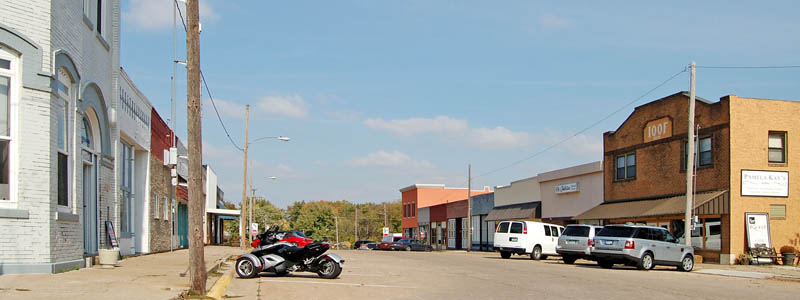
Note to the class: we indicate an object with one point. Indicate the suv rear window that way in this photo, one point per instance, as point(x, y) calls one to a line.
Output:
point(617, 231)
point(503, 228)
point(582, 231)
point(516, 227)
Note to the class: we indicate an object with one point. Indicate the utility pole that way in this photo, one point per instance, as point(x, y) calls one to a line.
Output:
point(197, 266)
point(469, 207)
point(687, 226)
point(385, 217)
point(242, 217)
point(336, 220)
point(356, 231)
point(251, 204)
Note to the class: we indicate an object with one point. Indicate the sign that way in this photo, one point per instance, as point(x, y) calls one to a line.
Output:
point(765, 183)
point(757, 230)
point(254, 228)
point(567, 188)
point(658, 129)
point(111, 235)
point(385, 231)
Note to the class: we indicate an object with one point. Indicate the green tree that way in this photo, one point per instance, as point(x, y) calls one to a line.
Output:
point(266, 214)
point(316, 220)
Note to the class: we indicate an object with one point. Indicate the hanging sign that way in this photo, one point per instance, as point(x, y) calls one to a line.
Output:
point(765, 183)
point(658, 129)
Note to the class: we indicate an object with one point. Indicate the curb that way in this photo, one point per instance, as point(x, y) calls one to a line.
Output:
point(221, 286)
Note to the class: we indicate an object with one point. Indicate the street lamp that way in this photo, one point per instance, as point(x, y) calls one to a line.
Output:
point(252, 203)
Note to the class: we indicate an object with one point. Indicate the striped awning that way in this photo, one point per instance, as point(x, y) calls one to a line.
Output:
point(707, 203)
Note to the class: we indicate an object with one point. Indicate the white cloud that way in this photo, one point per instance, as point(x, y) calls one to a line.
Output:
point(153, 15)
point(554, 22)
point(382, 158)
point(287, 106)
point(498, 138)
point(413, 126)
point(228, 110)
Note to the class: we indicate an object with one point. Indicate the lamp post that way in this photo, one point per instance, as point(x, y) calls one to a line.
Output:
point(252, 203)
point(244, 227)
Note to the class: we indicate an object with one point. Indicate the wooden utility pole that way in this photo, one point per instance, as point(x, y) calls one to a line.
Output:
point(336, 219)
point(197, 266)
point(356, 231)
point(385, 216)
point(242, 217)
point(687, 226)
point(469, 207)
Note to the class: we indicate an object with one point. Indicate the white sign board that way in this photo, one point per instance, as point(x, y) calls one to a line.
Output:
point(765, 183)
point(757, 229)
point(254, 228)
point(385, 231)
point(567, 188)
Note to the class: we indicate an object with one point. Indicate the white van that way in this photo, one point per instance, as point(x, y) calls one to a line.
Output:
point(527, 237)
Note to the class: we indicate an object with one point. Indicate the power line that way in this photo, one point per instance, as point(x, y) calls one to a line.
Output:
point(747, 67)
point(582, 130)
point(208, 91)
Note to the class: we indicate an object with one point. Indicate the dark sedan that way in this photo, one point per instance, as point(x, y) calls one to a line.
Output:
point(408, 245)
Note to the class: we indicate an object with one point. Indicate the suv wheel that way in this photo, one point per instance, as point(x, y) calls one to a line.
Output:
point(505, 254)
point(687, 264)
point(646, 263)
point(605, 264)
point(537, 253)
point(569, 259)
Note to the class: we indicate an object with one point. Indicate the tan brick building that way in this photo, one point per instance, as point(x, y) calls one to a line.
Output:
point(645, 170)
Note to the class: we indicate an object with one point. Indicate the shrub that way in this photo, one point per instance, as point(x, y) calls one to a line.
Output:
point(788, 249)
point(744, 259)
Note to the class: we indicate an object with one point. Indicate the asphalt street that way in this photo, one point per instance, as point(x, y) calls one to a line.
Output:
point(484, 275)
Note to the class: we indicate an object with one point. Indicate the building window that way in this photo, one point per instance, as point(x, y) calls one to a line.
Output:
point(126, 188)
point(626, 166)
point(156, 215)
point(704, 156)
point(777, 147)
point(64, 89)
point(166, 208)
point(413, 209)
point(7, 92)
point(777, 211)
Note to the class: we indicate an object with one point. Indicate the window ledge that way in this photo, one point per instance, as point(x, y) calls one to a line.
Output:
point(103, 41)
point(777, 164)
point(88, 22)
point(67, 217)
point(624, 180)
point(14, 213)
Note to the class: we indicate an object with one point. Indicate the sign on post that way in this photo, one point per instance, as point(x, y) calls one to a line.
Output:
point(385, 231)
point(254, 228)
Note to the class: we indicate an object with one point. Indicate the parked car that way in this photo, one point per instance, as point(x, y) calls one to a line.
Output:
point(357, 244)
point(386, 243)
point(526, 237)
point(294, 237)
point(641, 246)
point(369, 246)
point(408, 245)
point(577, 241)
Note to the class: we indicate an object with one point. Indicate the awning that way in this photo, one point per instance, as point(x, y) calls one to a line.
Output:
point(521, 211)
point(715, 202)
point(223, 212)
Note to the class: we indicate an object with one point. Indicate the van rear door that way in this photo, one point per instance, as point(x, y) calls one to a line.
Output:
point(501, 235)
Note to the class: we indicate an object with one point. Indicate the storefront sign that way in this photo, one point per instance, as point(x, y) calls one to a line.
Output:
point(658, 129)
point(765, 183)
point(757, 230)
point(567, 188)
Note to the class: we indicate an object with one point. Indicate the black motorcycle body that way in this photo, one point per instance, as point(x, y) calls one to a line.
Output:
point(281, 258)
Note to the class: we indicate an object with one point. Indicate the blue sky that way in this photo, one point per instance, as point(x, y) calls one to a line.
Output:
point(379, 95)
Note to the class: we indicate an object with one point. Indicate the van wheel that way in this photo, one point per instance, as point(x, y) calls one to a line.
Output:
point(505, 254)
point(646, 263)
point(569, 259)
point(687, 264)
point(537, 253)
point(605, 264)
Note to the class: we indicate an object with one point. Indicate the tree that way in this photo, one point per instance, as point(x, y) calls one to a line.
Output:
point(266, 214)
point(316, 220)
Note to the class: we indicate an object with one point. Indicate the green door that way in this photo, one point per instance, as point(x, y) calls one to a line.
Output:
point(183, 226)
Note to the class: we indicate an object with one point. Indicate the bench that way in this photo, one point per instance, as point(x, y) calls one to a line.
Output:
point(764, 252)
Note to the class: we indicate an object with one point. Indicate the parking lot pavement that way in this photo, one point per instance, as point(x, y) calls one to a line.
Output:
point(484, 275)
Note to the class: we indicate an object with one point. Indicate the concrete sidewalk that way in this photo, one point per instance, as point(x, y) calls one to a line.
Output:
point(155, 276)
point(751, 271)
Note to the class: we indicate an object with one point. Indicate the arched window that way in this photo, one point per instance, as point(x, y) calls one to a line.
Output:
point(8, 84)
point(86, 134)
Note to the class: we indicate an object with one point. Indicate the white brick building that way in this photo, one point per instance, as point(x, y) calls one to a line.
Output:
point(59, 73)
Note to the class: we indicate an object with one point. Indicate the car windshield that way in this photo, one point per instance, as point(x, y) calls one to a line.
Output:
point(617, 231)
point(298, 234)
point(582, 231)
point(403, 241)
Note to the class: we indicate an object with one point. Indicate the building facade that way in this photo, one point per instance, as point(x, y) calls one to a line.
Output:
point(419, 196)
point(520, 200)
point(160, 227)
point(483, 230)
point(570, 191)
point(742, 166)
point(216, 212)
point(59, 69)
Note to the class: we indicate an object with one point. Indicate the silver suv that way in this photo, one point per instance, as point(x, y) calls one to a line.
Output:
point(642, 246)
point(577, 241)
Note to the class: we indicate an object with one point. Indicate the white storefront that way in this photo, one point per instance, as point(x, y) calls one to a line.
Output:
point(216, 214)
point(133, 165)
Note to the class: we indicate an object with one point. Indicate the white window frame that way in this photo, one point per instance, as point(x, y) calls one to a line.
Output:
point(166, 208)
point(156, 214)
point(13, 95)
point(68, 97)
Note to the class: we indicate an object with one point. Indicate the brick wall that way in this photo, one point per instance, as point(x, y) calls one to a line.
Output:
point(658, 163)
point(160, 184)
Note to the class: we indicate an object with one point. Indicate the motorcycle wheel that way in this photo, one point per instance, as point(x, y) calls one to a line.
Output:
point(329, 270)
point(245, 268)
